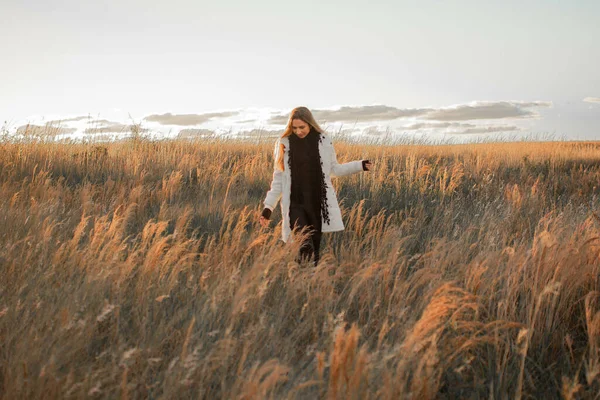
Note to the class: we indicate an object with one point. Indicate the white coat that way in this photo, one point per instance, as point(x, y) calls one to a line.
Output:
point(281, 185)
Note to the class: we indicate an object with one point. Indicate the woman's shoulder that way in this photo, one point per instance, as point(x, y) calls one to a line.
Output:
point(325, 138)
point(321, 135)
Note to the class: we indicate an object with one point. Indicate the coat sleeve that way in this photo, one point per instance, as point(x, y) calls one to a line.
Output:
point(348, 168)
point(274, 193)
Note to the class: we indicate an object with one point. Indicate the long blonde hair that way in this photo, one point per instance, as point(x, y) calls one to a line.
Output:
point(303, 114)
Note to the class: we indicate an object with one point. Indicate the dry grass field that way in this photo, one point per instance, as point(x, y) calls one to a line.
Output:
point(138, 270)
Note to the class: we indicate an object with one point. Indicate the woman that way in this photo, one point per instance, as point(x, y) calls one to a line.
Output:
point(304, 162)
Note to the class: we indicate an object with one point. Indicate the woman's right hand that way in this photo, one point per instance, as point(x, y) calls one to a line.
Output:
point(265, 216)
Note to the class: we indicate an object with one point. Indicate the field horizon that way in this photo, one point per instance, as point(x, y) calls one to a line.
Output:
point(138, 269)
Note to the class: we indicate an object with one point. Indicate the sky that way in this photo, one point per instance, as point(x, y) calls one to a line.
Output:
point(459, 67)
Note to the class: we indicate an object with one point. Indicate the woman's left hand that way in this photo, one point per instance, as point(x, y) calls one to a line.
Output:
point(368, 165)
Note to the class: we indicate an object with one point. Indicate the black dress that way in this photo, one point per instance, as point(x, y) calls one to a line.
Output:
point(305, 197)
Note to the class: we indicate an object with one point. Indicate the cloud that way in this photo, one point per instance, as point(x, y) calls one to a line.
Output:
point(47, 130)
point(102, 122)
point(117, 128)
point(463, 112)
point(367, 113)
point(209, 133)
point(371, 131)
point(487, 110)
point(462, 128)
point(194, 133)
point(106, 137)
point(262, 133)
point(487, 129)
point(356, 114)
point(592, 99)
point(188, 119)
point(278, 119)
point(437, 125)
point(60, 121)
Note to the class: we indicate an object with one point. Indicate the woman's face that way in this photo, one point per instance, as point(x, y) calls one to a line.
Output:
point(300, 128)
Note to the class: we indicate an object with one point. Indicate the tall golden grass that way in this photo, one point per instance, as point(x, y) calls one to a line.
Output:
point(139, 270)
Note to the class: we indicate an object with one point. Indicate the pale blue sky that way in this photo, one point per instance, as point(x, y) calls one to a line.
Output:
point(67, 58)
